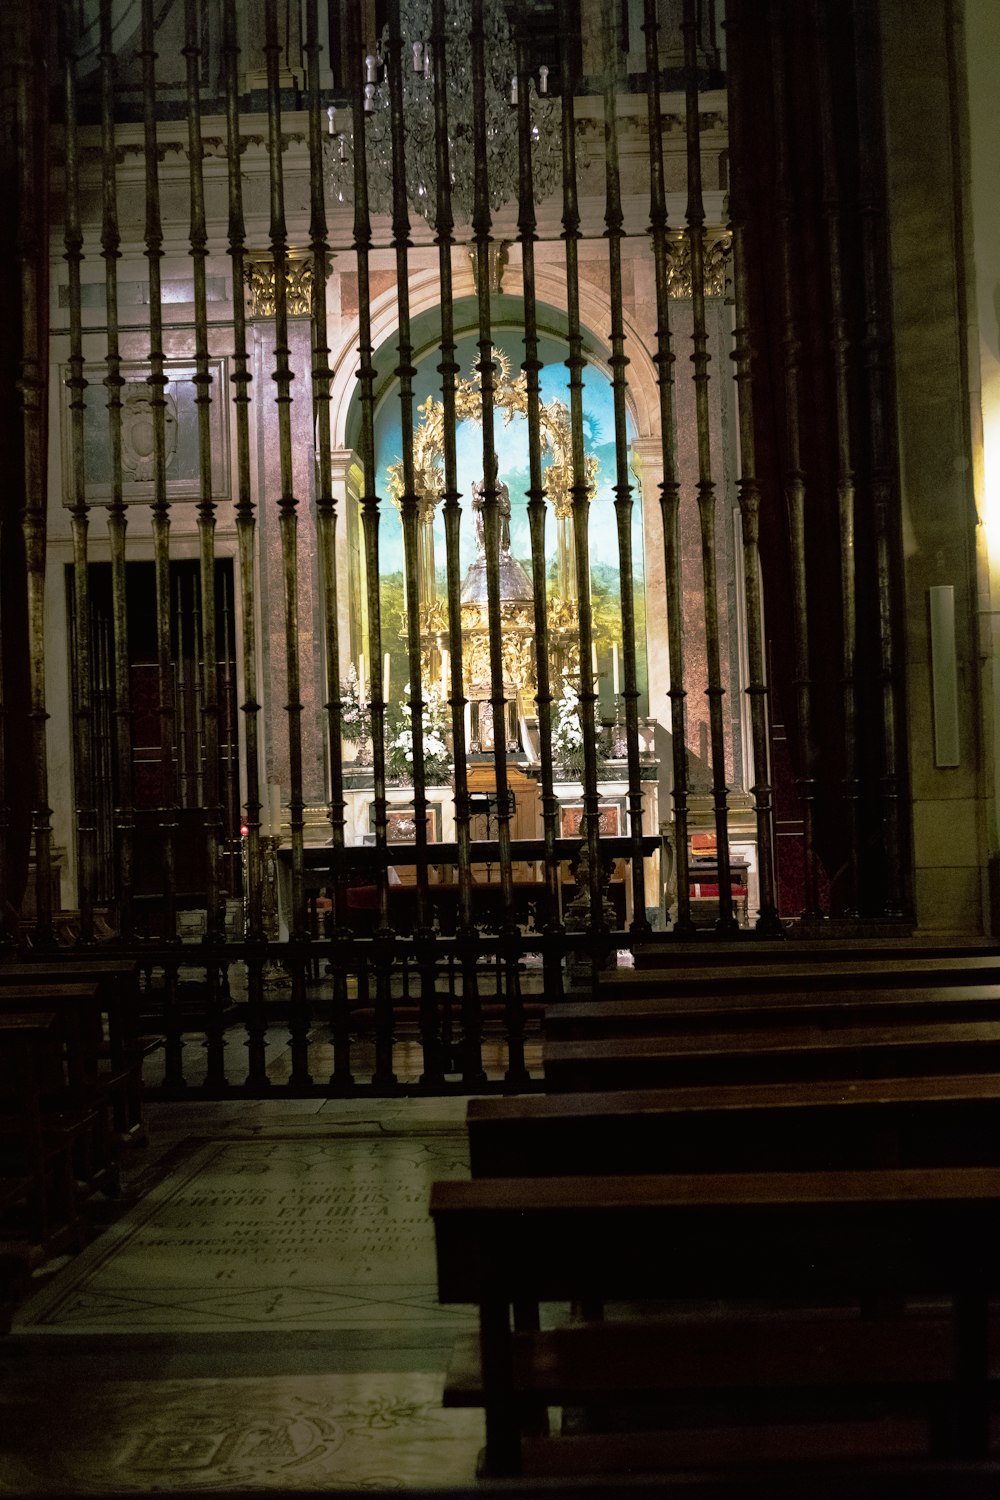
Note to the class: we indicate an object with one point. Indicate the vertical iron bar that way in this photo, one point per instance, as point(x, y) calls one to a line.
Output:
point(184, 794)
point(383, 1075)
point(229, 799)
point(468, 941)
point(878, 370)
point(481, 226)
point(795, 486)
point(197, 732)
point(32, 255)
point(614, 222)
point(288, 523)
point(76, 384)
point(212, 809)
point(409, 513)
point(246, 524)
point(8, 926)
point(840, 344)
point(326, 534)
point(749, 492)
point(124, 809)
point(103, 774)
point(669, 487)
point(157, 382)
point(576, 364)
point(695, 217)
point(527, 224)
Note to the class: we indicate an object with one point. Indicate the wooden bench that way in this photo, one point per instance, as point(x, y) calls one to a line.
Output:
point(741, 977)
point(912, 1122)
point(42, 1127)
point(647, 1015)
point(82, 1086)
point(772, 1055)
point(904, 1122)
point(813, 1238)
point(715, 952)
point(117, 979)
point(18, 1257)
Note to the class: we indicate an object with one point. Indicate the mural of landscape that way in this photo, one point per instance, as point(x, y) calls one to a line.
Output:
point(511, 438)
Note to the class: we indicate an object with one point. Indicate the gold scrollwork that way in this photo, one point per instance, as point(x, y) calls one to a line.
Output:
point(564, 614)
point(718, 257)
point(434, 617)
point(261, 280)
point(510, 398)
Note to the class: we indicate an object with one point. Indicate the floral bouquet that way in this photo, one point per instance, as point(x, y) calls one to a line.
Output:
point(355, 711)
point(567, 730)
point(399, 738)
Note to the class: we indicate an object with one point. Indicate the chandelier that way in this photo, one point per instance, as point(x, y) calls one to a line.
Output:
point(422, 74)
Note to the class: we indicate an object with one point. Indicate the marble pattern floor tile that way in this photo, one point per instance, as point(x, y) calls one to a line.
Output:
point(377, 1431)
point(268, 1233)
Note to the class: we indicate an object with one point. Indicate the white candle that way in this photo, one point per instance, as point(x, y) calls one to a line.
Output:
point(593, 658)
point(385, 679)
point(444, 670)
point(274, 807)
point(361, 678)
point(614, 667)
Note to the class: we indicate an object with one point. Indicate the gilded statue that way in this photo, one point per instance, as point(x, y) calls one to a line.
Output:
point(479, 511)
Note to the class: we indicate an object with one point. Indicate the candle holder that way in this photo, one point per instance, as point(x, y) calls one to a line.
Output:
point(619, 737)
point(363, 755)
point(269, 886)
point(274, 975)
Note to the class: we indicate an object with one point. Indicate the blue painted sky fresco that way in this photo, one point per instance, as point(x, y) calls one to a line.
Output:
point(512, 451)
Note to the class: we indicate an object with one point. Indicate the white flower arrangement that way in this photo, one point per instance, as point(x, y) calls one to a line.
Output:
point(567, 729)
point(355, 711)
point(399, 736)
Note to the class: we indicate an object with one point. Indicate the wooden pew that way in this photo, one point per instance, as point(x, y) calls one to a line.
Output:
point(841, 1125)
point(648, 1015)
point(118, 982)
point(771, 1055)
point(41, 1126)
point(899, 1122)
point(18, 1257)
point(740, 977)
point(85, 1087)
point(711, 952)
point(813, 1237)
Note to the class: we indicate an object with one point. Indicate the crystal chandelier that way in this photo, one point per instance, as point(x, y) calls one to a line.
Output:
point(421, 74)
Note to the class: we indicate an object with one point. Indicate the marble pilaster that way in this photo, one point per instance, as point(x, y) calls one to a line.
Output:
point(309, 625)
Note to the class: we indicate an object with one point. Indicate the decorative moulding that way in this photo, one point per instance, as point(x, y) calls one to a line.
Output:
point(183, 481)
point(261, 281)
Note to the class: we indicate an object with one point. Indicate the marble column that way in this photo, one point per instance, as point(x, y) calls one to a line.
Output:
point(346, 480)
point(309, 624)
point(647, 466)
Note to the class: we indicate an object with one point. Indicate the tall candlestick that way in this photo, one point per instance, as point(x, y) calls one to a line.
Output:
point(614, 667)
point(385, 679)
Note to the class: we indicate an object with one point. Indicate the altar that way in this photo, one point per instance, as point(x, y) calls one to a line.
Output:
point(526, 837)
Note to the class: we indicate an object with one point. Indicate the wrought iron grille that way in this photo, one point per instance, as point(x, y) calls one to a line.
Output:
point(585, 734)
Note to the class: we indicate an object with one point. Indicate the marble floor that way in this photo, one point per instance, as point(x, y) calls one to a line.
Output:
point(261, 1313)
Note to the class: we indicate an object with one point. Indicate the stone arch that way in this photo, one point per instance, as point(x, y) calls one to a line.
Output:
point(424, 289)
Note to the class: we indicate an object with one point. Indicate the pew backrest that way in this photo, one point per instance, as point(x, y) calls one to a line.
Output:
point(938, 1121)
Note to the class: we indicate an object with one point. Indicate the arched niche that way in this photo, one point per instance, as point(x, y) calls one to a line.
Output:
point(511, 436)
